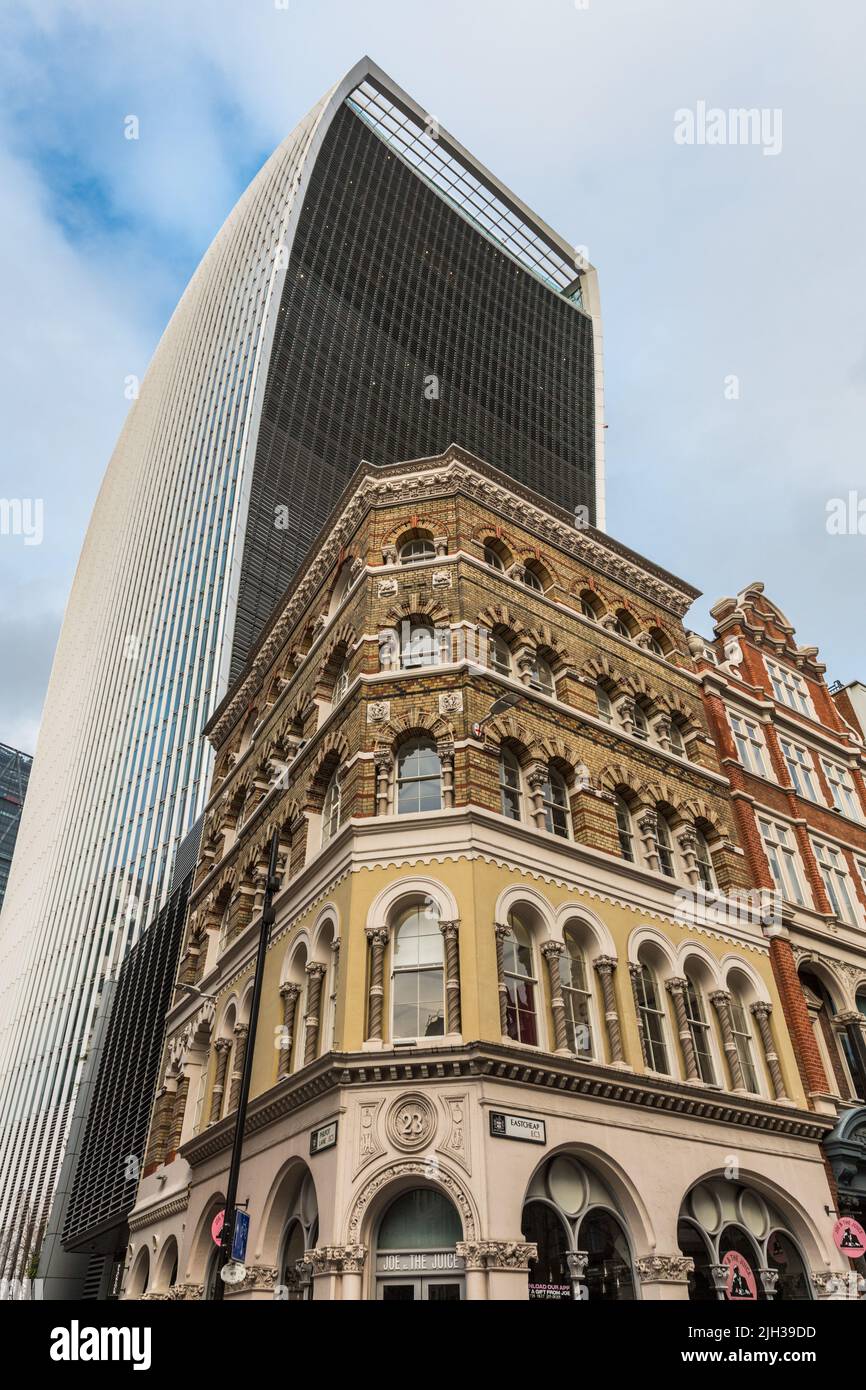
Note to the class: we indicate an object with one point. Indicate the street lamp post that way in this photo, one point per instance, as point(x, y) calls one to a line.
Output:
point(227, 1232)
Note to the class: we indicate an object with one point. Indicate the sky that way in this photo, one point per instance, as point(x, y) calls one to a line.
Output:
point(731, 261)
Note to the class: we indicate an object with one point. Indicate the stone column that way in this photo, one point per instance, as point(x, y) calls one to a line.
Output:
point(337, 1271)
point(719, 1275)
point(177, 1113)
point(450, 931)
point(769, 1281)
point(625, 710)
point(635, 974)
point(605, 966)
point(676, 988)
point(222, 1047)
point(535, 780)
point(384, 760)
point(289, 994)
point(761, 1012)
point(507, 1266)
point(378, 939)
point(502, 931)
point(312, 1018)
point(469, 1251)
point(552, 952)
point(688, 843)
point(240, 1052)
point(335, 981)
point(445, 749)
point(721, 1002)
point(647, 822)
point(663, 729)
point(524, 661)
point(577, 1261)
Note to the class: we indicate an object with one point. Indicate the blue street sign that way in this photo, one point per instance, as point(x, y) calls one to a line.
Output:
point(242, 1230)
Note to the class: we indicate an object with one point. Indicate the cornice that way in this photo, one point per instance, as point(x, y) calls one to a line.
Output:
point(159, 1211)
point(496, 1062)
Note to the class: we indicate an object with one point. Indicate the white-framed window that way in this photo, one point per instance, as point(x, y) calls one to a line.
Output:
point(664, 845)
point(678, 745)
point(861, 869)
point(750, 743)
point(492, 558)
point(341, 684)
point(640, 727)
point(743, 1040)
point(704, 862)
point(834, 874)
point(531, 580)
point(603, 701)
point(699, 1028)
point(652, 1016)
point(499, 655)
point(413, 552)
point(624, 828)
point(331, 808)
point(417, 645)
point(798, 761)
point(841, 789)
point(789, 688)
point(510, 785)
point(419, 777)
point(417, 975)
point(541, 676)
point(782, 857)
point(554, 795)
point(577, 996)
point(520, 983)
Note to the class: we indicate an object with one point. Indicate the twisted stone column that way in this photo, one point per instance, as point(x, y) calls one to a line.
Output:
point(605, 966)
point(552, 952)
point(648, 827)
point(312, 1018)
point(502, 931)
point(383, 761)
point(335, 982)
point(378, 939)
point(177, 1113)
point(721, 1002)
point(240, 1052)
point(761, 1013)
point(688, 843)
point(535, 780)
point(222, 1047)
point(676, 988)
point(289, 994)
point(450, 931)
point(635, 974)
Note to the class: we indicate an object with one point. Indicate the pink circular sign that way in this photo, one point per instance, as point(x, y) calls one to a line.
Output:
point(850, 1237)
point(216, 1226)
point(741, 1280)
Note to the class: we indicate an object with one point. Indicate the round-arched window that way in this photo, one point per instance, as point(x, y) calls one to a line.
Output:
point(510, 787)
point(583, 1246)
point(419, 777)
point(520, 983)
point(418, 975)
point(414, 551)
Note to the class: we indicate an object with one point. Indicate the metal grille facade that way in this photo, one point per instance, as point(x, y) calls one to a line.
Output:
point(14, 775)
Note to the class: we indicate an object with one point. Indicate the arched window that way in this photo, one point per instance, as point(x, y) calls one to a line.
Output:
point(590, 606)
point(541, 677)
point(510, 785)
point(520, 983)
point(624, 624)
point(531, 580)
point(652, 1016)
point(577, 996)
point(693, 1243)
point(640, 728)
point(554, 796)
point(720, 1218)
point(605, 708)
point(569, 1208)
point(700, 1030)
point(609, 1275)
point(414, 551)
point(419, 777)
point(417, 645)
point(704, 862)
point(417, 975)
point(418, 1232)
point(331, 808)
point(624, 828)
point(677, 742)
point(743, 1040)
point(341, 681)
point(499, 655)
point(783, 1256)
point(492, 556)
point(664, 845)
point(300, 1234)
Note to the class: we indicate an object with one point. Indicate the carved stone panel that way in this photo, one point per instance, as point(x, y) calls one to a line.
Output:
point(454, 1140)
point(411, 1122)
point(368, 1143)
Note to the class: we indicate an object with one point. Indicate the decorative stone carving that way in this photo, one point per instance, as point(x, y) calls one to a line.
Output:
point(415, 1168)
point(411, 1122)
point(258, 1279)
point(664, 1269)
point(387, 588)
point(577, 1261)
point(368, 1143)
point(441, 579)
point(187, 1293)
point(336, 1259)
point(455, 1140)
point(497, 1254)
point(769, 1281)
point(451, 702)
point(378, 711)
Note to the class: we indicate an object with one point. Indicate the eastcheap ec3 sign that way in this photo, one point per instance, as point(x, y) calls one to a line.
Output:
point(523, 1127)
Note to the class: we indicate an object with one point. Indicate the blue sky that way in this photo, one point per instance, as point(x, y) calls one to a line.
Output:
point(714, 260)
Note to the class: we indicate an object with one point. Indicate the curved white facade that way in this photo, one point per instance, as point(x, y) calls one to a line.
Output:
point(121, 771)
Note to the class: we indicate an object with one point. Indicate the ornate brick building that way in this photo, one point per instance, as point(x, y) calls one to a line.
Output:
point(793, 750)
point(503, 1049)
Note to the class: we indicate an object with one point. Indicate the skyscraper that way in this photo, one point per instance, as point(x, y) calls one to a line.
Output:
point(14, 774)
point(376, 294)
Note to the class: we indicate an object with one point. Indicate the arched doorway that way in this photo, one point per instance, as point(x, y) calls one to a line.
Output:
point(583, 1246)
point(415, 1249)
point(300, 1234)
point(721, 1217)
